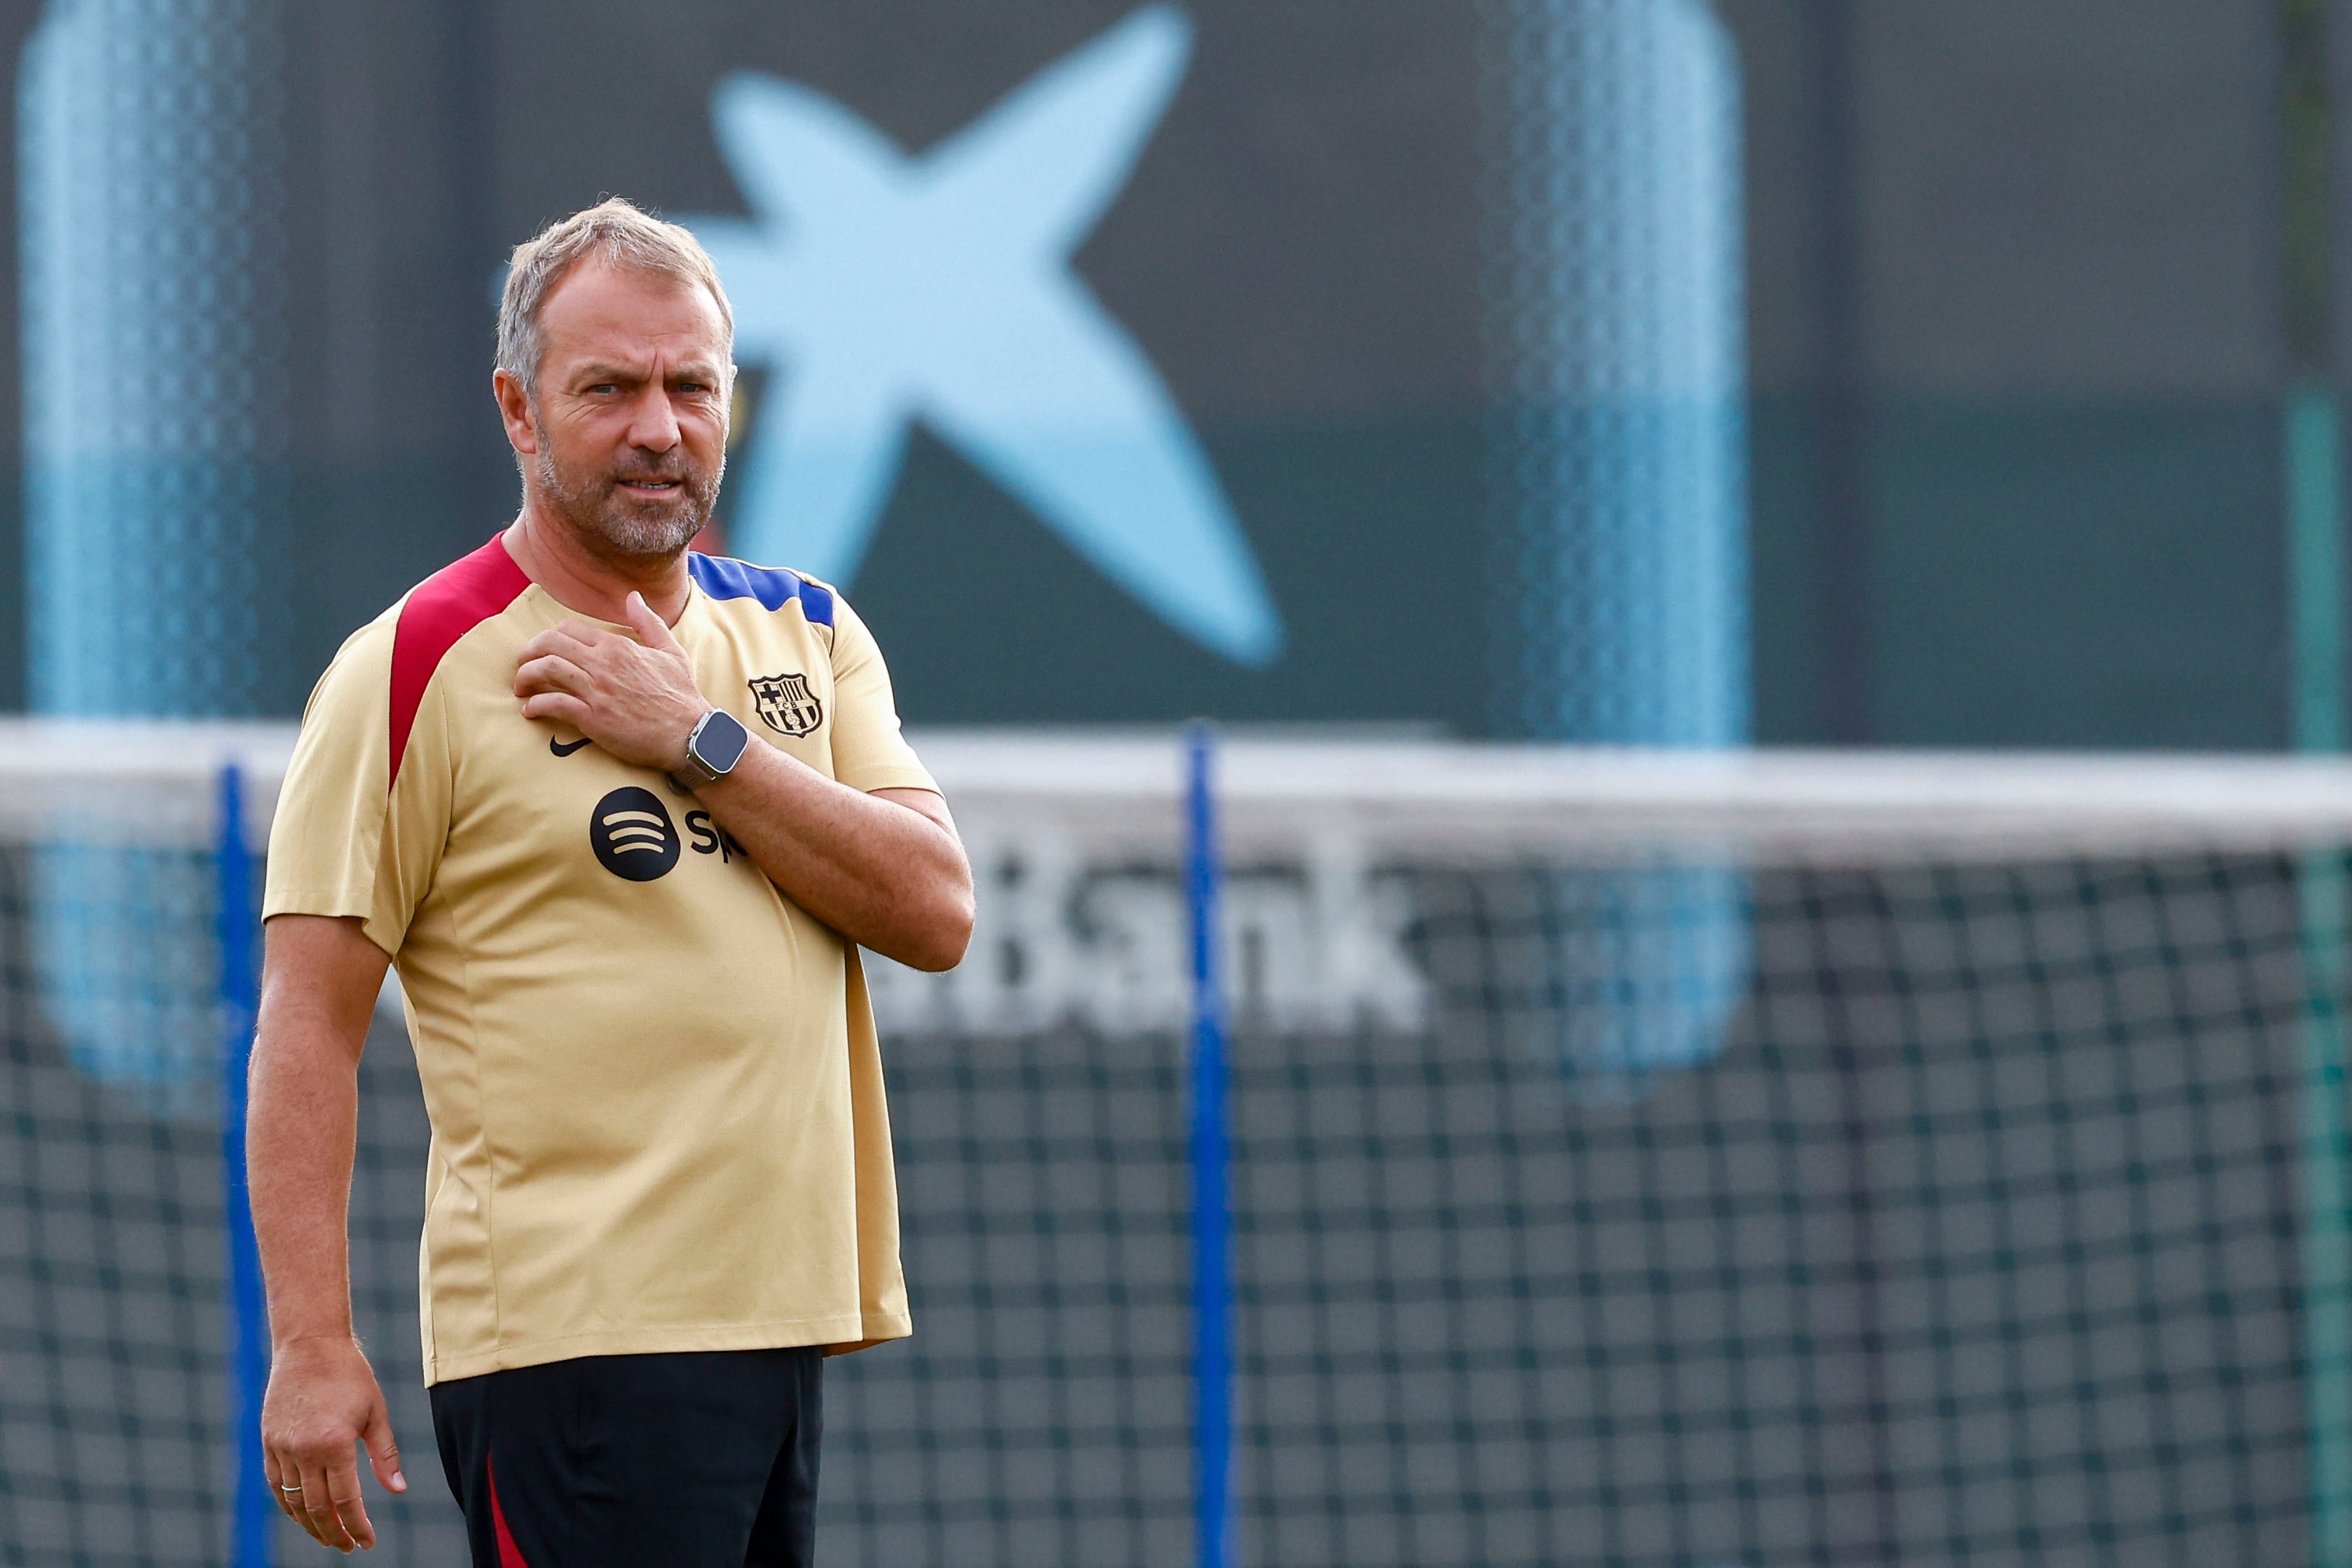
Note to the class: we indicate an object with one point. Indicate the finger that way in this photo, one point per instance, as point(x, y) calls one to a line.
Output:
point(277, 1471)
point(319, 1511)
point(559, 705)
point(650, 628)
point(289, 1474)
point(550, 672)
point(564, 639)
point(383, 1452)
point(350, 1508)
point(318, 1504)
point(588, 634)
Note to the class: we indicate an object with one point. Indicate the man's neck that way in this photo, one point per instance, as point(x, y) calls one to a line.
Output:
point(551, 554)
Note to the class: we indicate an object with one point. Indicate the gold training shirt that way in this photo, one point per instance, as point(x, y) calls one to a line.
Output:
point(653, 1080)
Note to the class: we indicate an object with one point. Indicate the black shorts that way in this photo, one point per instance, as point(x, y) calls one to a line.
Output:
point(702, 1459)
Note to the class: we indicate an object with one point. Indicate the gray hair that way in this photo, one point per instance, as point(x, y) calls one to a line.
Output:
point(615, 232)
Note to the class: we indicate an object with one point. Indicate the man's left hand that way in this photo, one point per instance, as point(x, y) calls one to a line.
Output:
point(635, 697)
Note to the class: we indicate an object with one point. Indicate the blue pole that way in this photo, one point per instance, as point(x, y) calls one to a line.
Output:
point(253, 1512)
point(1213, 1357)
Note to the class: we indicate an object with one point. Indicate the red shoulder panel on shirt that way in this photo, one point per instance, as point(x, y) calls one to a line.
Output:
point(443, 608)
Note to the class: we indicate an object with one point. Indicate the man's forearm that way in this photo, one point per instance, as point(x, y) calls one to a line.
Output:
point(319, 987)
point(300, 1131)
point(880, 873)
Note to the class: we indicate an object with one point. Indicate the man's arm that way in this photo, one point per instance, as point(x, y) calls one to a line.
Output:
point(320, 981)
point(884, 870)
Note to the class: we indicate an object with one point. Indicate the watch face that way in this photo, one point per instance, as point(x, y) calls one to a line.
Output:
point(720, 745)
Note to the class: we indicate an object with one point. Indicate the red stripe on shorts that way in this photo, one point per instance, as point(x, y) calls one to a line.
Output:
point(510, 1555)
point(443, 608)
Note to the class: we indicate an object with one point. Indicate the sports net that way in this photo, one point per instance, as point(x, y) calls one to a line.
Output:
point(1638, 1161)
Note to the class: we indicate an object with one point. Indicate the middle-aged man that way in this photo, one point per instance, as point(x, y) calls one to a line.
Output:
point(622, 814)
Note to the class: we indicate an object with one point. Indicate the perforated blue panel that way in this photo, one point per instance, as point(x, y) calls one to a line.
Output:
point(1616, 351)
point(157, 497)
point(155, 355)
point(1617, 519)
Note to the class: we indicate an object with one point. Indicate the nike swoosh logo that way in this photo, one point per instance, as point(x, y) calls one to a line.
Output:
point(561, 750)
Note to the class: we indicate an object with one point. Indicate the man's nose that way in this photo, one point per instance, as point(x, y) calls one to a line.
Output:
point(654, 425)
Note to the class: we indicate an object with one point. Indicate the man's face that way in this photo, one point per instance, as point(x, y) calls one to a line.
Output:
point(627, 437)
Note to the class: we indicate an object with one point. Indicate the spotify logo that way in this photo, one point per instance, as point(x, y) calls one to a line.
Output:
point(633, 835)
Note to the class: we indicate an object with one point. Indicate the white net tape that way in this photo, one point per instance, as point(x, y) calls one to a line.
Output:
point(1119, 790)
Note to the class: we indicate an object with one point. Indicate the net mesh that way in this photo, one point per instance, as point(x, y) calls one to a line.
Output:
point(1986, 1236)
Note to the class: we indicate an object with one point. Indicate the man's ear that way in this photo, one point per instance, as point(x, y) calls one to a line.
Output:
point(514, 408)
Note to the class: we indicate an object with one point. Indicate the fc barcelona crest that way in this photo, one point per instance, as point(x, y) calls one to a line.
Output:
point(787, 704)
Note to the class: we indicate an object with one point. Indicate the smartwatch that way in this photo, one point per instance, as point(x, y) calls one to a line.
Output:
point(712, 749)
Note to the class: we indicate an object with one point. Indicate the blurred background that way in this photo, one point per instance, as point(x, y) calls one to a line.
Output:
point(1723, 1155)
point(2005, 337)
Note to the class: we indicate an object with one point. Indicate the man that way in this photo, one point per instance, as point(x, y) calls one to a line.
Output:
point(621, 815)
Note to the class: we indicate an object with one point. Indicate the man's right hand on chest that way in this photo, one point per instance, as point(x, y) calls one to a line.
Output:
point(633, 697)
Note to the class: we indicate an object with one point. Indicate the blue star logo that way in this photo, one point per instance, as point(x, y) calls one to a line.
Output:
point(880, 288)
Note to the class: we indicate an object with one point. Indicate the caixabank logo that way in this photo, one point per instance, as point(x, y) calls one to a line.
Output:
point(633, 836)
point(890, 288)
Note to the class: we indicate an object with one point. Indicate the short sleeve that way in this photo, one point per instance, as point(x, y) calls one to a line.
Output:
point(868, 751)
point(349, 839)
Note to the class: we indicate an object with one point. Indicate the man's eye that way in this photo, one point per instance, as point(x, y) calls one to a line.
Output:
point(605, 386)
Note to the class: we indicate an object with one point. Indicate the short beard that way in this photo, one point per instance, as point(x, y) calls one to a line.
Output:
point(590, 501)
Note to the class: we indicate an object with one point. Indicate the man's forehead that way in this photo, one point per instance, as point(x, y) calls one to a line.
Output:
point(624, 315)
